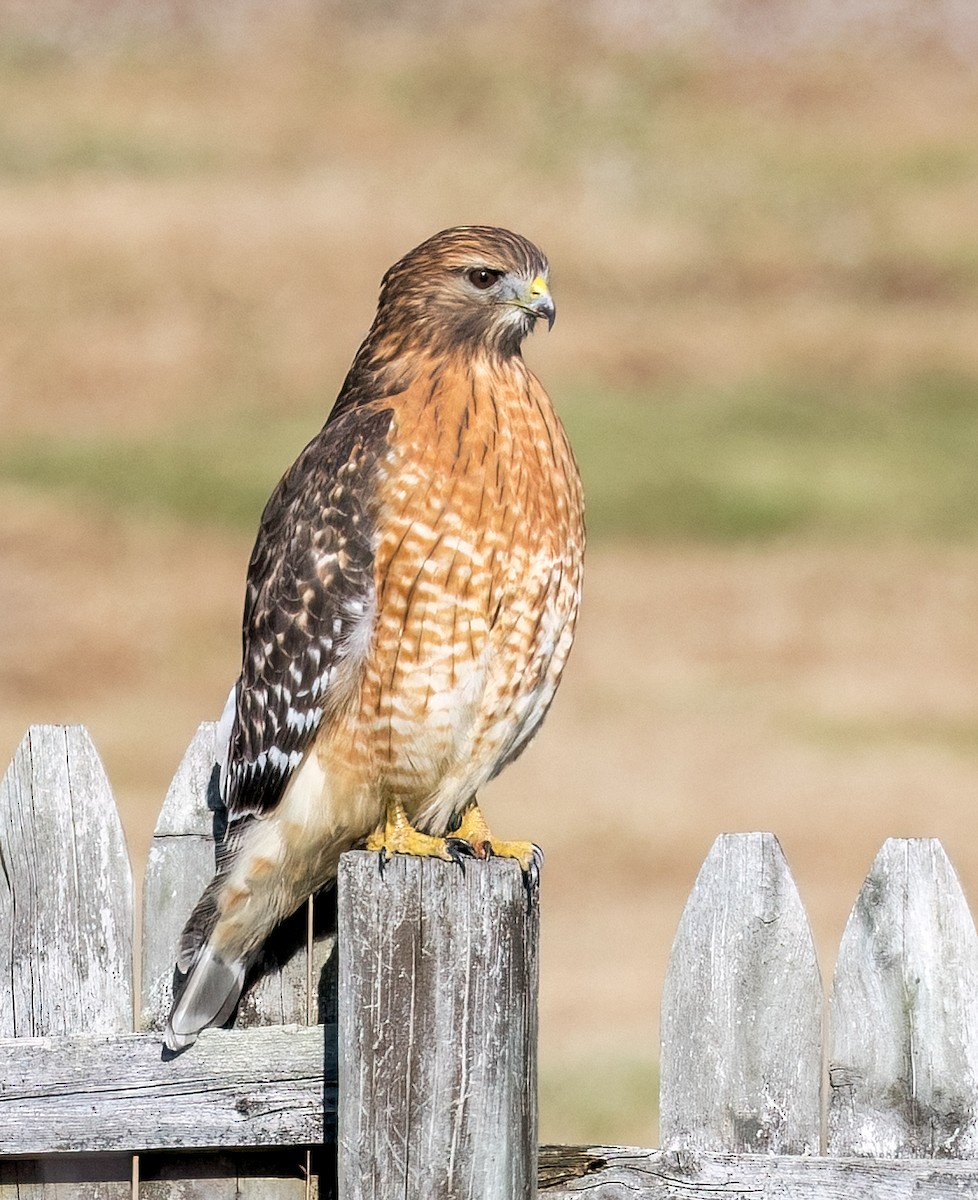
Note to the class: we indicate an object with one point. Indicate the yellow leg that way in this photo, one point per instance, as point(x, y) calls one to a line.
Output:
point(475, 831)
point(398, 836)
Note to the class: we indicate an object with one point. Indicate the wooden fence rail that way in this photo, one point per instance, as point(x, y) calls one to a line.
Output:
point(403, 1067)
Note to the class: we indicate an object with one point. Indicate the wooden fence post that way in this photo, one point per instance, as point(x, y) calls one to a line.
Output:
point(65, 928)
point(741, 1061)
point(438, 1027)
point(904, 1013)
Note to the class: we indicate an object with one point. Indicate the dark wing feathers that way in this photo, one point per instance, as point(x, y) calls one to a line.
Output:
point(310, 589)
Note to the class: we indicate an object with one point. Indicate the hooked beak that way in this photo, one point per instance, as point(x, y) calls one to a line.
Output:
point(539, 302)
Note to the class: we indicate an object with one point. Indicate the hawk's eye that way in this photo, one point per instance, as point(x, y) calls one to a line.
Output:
point(483, 277)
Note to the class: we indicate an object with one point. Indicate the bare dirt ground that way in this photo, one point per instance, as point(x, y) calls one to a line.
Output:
point(827, 694)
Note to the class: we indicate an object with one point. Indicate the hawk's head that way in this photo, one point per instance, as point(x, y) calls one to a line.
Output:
point(471, 286)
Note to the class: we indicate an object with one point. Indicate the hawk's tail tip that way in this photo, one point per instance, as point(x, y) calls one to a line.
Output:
point(207, 995)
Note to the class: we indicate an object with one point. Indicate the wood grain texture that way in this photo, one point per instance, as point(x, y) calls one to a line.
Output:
point(65, 892)
point(903, 1067)
point(438, 1027)
point(742, 1010)
point(65, 928)
point(257, 1087)
point(622, 1173)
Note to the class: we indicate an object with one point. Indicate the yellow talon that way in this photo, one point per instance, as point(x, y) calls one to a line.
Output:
point(398, 836)
point(475, 831)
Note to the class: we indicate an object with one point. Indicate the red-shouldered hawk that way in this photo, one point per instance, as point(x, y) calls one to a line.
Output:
point(410, 605)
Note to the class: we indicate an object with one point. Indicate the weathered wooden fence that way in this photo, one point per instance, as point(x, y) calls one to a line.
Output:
point(429, 1038)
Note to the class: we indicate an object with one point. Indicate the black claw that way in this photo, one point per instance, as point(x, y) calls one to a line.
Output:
point(531, 876)
point(459, 850)
point(382, 857)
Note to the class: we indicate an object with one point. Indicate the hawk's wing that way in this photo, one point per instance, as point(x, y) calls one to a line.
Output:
point(309, 607)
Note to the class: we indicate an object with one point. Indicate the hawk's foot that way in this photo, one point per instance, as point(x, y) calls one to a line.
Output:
point(474, 831)
point(398, 836)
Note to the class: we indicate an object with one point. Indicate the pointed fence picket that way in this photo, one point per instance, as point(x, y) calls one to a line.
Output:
point(66, 912)
point(437, 1013)
point(905, 1083)
point(741, 1031)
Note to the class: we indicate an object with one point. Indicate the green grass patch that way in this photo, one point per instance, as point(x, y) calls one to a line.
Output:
point(766, 460)
point(99, 151)
point(219, 477)
point(869, 734)
point(754, 464)
point(608, 1100)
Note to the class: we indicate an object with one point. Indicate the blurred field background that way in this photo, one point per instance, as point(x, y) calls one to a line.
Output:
point(763, 225)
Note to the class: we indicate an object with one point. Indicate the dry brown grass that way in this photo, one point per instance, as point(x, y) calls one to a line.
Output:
point(185, 232)
point(191, 239)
